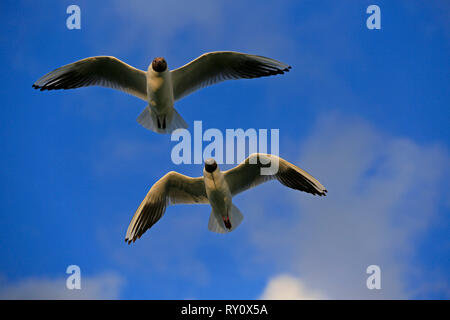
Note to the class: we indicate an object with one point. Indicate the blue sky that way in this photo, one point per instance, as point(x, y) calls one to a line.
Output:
point(364, 111)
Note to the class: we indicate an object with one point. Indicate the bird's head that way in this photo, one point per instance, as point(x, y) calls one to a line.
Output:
point(210, 165)
point(159, 64)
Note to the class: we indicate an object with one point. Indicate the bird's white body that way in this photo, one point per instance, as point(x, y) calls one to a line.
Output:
point(160, 112)
point(159, 90)
point(218, 193)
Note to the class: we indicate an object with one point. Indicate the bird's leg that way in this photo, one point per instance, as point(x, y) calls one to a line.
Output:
point(161, 121)
point(226, 221)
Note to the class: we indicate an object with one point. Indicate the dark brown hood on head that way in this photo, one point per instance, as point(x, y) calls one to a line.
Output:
point(159, 64)
point(210, 165)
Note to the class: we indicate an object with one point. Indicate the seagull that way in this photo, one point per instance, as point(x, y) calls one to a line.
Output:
point(158, 86)
point(217, 188)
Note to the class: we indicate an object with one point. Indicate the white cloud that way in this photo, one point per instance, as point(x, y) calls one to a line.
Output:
point(384, 193)
point(105, 286)
point(287, 287)
point(182, 30)
point(147, 27)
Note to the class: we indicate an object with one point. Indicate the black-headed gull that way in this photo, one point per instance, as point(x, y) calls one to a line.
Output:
point(217, 188)
point(159, 87)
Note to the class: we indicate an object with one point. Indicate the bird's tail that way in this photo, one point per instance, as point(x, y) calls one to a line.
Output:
point(216, 224)
point(164, 123)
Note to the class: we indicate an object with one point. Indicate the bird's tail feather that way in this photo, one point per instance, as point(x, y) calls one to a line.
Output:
point(162, 124)
point(215, 224)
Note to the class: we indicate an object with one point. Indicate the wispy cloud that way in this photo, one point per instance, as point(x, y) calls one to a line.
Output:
point(154, 26)
point(104, 286)
point(384, 193)
point(287, 287)
point(169, 28)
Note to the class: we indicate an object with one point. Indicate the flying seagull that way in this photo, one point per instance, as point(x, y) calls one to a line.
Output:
point(159, 86)
point(216, 188)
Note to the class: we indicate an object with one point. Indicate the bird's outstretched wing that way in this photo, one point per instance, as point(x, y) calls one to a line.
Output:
point(96, 71)
point(214, 67)
point(248, 174)
point(171, 189)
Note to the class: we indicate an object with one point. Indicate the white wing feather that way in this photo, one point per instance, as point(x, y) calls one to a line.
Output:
point(96, 71)
point(248, 175)
point(215, 67)
point(173, 188)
